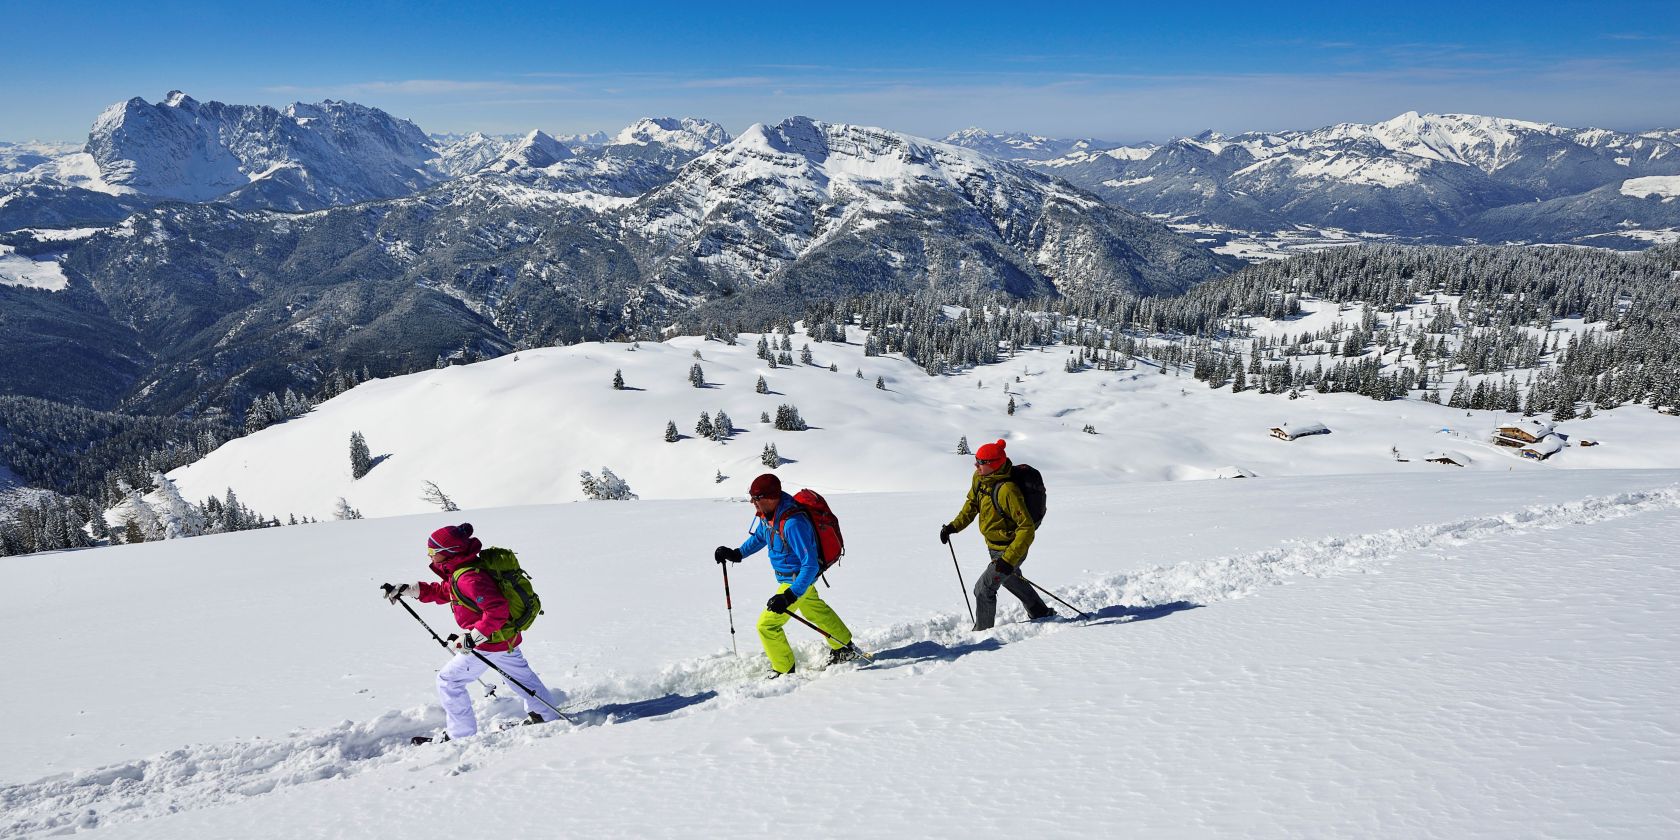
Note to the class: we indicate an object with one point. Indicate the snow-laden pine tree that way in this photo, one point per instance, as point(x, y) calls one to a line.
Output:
point(722, 426)
point(177, 516)
point(696, 376)
point(962, 446)
point(762, 387)
point(618, 380)
point(704, 427)
point(361, 460)
point(671, 434)
point(608, 487)
point(788, 419)
point(343, 510)
point(771, 458)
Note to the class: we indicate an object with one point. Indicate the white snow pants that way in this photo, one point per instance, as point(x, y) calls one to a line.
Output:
point(452, 684)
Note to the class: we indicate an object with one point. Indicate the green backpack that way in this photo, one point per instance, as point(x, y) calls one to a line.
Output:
point(503, 567)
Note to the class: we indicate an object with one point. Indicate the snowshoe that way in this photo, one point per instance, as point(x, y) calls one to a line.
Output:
point(427, 739)
point(1040, 615)
point(844, 654)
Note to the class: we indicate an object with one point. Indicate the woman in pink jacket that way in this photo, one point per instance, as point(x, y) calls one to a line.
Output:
point(480, 611)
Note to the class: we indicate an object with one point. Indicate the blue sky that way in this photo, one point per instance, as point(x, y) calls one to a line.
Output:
point(1116, 70)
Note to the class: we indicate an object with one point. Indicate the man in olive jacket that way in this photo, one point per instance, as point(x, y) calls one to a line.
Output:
point(1008, 529)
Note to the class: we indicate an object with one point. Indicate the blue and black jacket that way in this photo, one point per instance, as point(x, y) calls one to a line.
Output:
point(793, 546)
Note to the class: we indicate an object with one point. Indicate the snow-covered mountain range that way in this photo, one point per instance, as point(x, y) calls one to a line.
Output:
point(547, 244)
point(1450, 177)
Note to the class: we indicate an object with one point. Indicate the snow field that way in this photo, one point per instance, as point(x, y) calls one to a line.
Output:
point(1189, 725)
point(518, 429)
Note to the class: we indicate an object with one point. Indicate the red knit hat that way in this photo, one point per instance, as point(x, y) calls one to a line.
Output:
point(991, 452)
point(766, 486)
point(454, 541)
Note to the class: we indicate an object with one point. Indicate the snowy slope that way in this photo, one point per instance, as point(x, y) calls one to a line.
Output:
point(519, 429)
point(1432, 655)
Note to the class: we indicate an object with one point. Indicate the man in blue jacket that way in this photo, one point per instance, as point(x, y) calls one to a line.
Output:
point(792, 539)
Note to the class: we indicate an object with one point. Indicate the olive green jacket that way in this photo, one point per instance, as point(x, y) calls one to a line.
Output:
point(1009, 530)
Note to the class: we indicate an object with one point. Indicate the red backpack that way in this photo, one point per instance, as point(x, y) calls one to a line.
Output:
point(830, 543)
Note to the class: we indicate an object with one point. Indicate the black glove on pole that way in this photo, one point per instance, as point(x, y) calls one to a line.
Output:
point(961, 584)
point(780, 602)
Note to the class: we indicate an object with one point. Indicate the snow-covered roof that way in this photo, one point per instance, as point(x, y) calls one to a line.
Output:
point(1532, 425)
point(1545, 446)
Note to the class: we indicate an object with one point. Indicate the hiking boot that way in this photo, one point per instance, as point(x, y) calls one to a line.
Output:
point(839, 655)
point(534, 718)
point(427, 739)
point(775, 673)
point(1038, 615)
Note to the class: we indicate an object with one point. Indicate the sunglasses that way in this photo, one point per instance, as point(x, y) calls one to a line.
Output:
point(980, 462)
point(433, 552)
point(758, 497)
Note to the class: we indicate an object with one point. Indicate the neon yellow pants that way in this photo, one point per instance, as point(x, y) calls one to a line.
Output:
point(813, 608)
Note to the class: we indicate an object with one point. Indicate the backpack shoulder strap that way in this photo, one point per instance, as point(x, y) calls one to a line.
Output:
point(999, 507)
point(455, 586)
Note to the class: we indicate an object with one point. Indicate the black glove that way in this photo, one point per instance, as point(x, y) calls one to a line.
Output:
point(780, 602)
point(724, 552)
point(945, 532)
point(1004, 568)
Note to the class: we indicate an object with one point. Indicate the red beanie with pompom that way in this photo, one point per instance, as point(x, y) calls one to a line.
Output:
point(455, 540)
point(991, 452)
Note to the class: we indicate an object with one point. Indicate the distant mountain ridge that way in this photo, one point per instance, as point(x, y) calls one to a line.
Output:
point(1447, 177)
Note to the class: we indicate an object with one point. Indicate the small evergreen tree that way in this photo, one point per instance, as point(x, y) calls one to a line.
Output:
point(962, 446)
point(704, 428)
point(618, 380)
point(805, 354)
point(1011, 405)
point(361, 460)
point(764, 417)
point(762, 387)
point(345, 511)
point(788, 419)
point(696, 376)
point(771, 458)
point(608, 487)
point(671, 435)
point(880, 383)
point(722, 426)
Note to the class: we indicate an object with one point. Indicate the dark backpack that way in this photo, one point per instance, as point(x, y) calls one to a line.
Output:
point(830, 542)
point(1031, 483)
point(502, 566)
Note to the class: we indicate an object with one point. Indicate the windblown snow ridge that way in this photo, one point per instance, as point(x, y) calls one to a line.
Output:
point(199, 776)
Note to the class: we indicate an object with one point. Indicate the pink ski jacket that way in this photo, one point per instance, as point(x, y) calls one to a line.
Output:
point(491, 608)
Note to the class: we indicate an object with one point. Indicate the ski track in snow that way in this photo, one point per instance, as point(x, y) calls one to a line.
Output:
point(201, 776)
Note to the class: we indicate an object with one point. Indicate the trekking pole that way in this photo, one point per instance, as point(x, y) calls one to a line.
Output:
point(962, 584)
point(489, 690)
point(729, 604)
point(509, 677)
point(1081, 612)
point(855, 649)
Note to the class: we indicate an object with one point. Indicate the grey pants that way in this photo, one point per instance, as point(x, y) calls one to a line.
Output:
point(986, 590)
